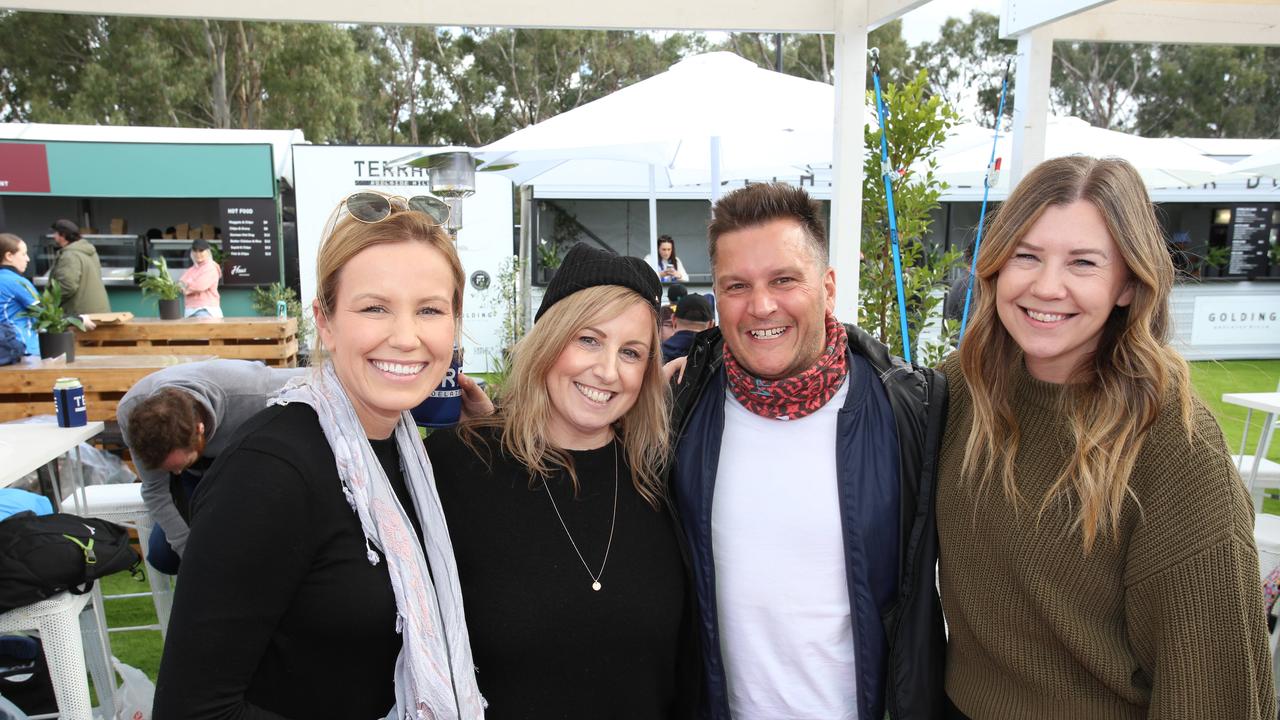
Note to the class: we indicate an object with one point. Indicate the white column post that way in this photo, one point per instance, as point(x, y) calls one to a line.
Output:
point(846, 186)
point(653, 214)
point(715, 170)
point(1031, 100)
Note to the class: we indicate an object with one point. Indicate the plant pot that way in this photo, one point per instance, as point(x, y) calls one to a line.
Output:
point(54, 344)
point(1275, 270)
point(546, 274)
point(171, 309)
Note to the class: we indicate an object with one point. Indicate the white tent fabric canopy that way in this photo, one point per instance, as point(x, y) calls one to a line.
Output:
point(1163, 163)
point(1264, 163)
point(708, 118)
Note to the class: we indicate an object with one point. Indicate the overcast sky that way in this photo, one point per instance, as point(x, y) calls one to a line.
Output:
point(922, 23)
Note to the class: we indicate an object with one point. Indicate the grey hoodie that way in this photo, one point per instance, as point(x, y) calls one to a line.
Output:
point(231, 392)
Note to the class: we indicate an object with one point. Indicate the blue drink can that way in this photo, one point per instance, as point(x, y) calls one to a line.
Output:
point(68, 403)
point(282, 309)
point(443, 407)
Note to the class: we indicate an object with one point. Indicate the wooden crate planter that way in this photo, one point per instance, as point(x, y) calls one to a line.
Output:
point(271, 340)
point(26, 388)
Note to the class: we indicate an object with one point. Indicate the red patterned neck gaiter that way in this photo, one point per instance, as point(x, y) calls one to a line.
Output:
point(794, 397)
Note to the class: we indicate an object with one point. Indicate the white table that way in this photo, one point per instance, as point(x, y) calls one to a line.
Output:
point(24, 447)
point(1264, 402)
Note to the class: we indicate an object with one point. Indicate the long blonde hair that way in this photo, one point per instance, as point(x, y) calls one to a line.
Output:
point(1112, 398)
point(525, 409)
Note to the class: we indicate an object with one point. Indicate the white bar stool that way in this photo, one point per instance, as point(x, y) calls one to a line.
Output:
point(64, 631)
point(122, 504)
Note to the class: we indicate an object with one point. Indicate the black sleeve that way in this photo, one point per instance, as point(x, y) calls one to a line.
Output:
point(247, 554)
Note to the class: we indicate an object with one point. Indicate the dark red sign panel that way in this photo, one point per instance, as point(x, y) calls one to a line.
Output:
point(24, 167)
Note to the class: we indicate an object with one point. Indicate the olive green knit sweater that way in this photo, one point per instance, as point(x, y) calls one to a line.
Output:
point(1164, 621)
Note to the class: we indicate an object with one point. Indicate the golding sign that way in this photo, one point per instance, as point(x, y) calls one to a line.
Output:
point(1235, 320)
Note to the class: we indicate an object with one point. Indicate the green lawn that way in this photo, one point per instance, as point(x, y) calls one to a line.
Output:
point(1212, 379)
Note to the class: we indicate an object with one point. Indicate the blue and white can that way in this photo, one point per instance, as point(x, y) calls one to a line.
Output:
point(443, 407)
point(68, 403)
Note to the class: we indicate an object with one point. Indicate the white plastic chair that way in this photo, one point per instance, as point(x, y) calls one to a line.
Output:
point(65, 632)
point(122, 504)
point(1266, 535)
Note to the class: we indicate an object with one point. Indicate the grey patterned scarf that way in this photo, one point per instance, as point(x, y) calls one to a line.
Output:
point(435, 676)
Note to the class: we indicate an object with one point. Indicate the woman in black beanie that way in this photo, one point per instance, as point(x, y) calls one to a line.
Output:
point(568, 554)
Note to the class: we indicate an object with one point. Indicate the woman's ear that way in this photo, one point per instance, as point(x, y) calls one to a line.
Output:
point(1126, 295)
point(323, 331)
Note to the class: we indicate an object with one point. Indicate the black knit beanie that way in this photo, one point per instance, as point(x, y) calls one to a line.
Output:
point(585, 267)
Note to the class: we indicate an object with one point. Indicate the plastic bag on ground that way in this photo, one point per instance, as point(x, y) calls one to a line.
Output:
point(136, 693)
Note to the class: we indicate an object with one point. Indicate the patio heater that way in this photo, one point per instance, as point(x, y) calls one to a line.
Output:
point(453, 178)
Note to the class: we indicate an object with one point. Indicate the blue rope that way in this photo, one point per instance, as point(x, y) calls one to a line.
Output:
point(987, 182)
point(886, 171)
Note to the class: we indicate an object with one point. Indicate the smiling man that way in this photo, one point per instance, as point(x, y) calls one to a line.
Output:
point(804, 475)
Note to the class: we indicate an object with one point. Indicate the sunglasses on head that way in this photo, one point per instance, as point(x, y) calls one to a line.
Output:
point(372, 207)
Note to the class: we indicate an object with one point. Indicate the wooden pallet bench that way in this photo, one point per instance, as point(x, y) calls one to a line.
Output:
point(268, 339)
point(26, 388)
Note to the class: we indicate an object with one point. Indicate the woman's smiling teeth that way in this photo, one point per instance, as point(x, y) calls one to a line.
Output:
point(595, 395)
point(767, 334)
point(398, 368)
point(1044, 316)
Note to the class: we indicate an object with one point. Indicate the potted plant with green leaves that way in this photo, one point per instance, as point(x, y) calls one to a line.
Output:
point(548, 259)
point(53, 324)
point(1215, 261)
point(1273, 255)
point(160, 284)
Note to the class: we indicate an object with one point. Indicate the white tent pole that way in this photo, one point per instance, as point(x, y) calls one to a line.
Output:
point(845, 233)
point(1031, 100)
point(653, 214)
point(715, 169)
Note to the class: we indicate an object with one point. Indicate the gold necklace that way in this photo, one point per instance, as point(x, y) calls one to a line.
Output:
point(595, 577)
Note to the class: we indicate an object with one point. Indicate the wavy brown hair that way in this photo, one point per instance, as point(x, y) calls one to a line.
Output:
point(525, 409)
point(1115, 395)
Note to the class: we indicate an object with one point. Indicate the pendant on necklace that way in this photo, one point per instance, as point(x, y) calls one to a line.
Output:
point(595, 586)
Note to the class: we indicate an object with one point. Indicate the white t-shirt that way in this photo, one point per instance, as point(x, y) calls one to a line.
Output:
point(783, 599)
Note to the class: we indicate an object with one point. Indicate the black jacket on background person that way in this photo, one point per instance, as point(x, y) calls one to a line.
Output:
point(911, 674)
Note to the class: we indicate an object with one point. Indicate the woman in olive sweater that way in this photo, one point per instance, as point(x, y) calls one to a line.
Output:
point(1097, 554)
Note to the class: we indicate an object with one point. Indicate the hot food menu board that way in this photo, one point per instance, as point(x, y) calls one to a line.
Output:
point(1250, 232)
point(249, 241)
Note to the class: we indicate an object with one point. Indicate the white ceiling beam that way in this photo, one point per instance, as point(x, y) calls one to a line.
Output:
point(801, 16)
point(1149, 21)
point(883, 12)
point(1020, 16)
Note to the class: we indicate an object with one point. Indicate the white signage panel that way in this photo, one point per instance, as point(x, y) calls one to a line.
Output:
point(1236, 320)
point(324, 175)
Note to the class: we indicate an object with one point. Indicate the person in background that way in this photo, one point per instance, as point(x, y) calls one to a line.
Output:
point(668, 266)
point(1097, 551)
point(803, 473)
point(666, 322)
point(568, 552)
point(16, 291)
point(78, 271)
point(176, 422)
point(318, 580)
point(692, 316)
point(676, 293)
point(200, 282)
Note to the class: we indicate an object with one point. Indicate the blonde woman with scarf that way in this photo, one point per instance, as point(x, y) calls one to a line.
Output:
point(319, 579)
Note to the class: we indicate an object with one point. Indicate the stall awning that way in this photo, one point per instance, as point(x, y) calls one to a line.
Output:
point(144, 170)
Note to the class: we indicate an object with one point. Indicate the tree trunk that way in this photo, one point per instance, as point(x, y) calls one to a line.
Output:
point(215, 41)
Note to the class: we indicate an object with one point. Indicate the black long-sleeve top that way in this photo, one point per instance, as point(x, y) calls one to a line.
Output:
point(545, 644)
point(278, 613)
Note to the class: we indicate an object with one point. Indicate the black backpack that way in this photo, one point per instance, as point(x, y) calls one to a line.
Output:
point(42, 555)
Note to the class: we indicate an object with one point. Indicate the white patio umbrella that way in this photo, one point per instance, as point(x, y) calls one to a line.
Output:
point(1162, 163)
point(709, 118)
